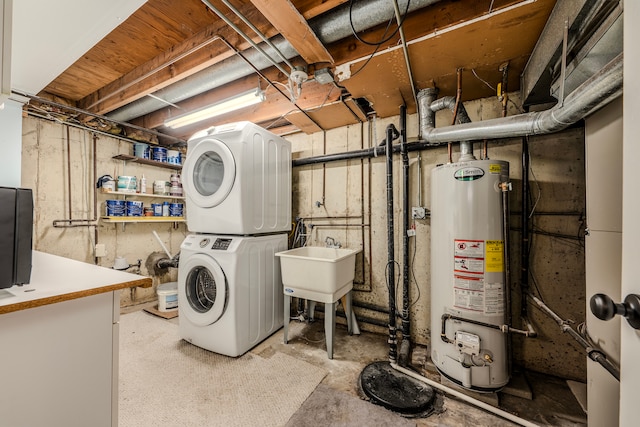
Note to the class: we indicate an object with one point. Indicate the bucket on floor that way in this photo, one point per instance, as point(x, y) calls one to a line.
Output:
point(167, 296)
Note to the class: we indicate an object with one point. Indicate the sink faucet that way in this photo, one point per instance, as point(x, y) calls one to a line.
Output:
point(330, 242)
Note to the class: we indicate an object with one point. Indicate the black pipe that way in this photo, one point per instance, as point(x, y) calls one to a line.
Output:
point(406, 325)
point(362, 154)
point(502, 328)
point(524, 231)
point(392, 133)
point(369, 306)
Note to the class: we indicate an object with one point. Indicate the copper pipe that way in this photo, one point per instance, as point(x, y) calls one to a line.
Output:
point(505, 98)
point(455, 109)
point(69, 172)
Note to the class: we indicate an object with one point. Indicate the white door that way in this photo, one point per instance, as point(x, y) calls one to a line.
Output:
point(630, 338)
point(208, 172)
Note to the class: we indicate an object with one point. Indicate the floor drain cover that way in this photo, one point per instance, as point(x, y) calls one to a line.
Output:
point(394, 390)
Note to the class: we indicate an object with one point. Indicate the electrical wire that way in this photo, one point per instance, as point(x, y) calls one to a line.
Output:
point(383, 39)
point(482, 80)
point(535, 180)
point(413, 272)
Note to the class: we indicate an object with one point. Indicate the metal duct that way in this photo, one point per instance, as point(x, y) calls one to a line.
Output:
point(597, 91)
point(329, 27)
point(466, 147)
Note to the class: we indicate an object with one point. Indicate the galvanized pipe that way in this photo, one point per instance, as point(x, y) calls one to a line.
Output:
point(246, 37)
point(329, 27)
point(597, 91)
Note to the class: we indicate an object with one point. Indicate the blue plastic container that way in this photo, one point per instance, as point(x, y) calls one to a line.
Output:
point(157, 209)
point(159, 154)
point(134, 208)
point(115, 207)
point(176, 209)
point(141, 150)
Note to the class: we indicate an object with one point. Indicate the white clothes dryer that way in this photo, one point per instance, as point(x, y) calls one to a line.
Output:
point(230, 291)
point(237, 180)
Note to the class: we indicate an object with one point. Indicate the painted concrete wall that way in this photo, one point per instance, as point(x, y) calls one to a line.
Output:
point(354, 192)
point(44, 169)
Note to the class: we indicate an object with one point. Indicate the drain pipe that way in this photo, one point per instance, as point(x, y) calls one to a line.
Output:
point(597, 91)
point(392, 134)
point(405, 345)
point(464, 397)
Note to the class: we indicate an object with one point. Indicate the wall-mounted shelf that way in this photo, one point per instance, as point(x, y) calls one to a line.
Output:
point(129, 158)
point(128, 219)
point(152, 196)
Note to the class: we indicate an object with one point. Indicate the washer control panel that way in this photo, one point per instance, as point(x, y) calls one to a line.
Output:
point(221, 244)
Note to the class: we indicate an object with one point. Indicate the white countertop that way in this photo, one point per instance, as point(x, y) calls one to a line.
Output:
point(56, 279)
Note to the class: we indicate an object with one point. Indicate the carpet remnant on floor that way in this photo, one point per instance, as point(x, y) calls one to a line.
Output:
point(167, 381)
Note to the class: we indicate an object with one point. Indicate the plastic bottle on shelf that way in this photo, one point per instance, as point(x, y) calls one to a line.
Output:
point(143, 185)
point(165, 209)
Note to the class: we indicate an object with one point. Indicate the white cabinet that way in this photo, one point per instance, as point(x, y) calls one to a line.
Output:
point(59, 345)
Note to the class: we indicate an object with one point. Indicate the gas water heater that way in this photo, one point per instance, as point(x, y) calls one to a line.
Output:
point(468, 305)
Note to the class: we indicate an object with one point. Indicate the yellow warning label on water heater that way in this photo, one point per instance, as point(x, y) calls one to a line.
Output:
point(495, 168)
point(494, 256)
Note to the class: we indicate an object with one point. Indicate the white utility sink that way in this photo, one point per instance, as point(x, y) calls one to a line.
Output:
point(317, 270)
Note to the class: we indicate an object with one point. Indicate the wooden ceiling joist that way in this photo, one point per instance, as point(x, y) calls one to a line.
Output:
point(181, 61)
point(285, 17)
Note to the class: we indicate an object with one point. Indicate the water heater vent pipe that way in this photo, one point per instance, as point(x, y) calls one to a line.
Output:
point(594, 93)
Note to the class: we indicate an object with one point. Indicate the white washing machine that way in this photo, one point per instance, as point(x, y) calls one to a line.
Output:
point(230, 291)
point(237, 180)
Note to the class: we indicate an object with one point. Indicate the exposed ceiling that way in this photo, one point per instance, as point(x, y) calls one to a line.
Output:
point(170, 57)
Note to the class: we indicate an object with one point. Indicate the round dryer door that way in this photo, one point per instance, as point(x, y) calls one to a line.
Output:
point(208, 173)
point(205, 290)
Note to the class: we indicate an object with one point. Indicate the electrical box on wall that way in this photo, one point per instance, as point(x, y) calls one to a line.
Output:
point(419, 212)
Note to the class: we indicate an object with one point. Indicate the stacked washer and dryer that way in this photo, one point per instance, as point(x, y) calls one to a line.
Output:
point(237, 185)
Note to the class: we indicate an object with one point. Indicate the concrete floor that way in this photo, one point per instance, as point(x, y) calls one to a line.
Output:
point(553, 403)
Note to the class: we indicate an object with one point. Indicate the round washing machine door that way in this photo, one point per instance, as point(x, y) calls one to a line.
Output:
point(203, 290)
point(208, 173)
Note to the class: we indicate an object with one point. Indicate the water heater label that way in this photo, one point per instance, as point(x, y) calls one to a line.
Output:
point(495, 168)
point(469, 248)
point(494, 258)
point(469, 265)
point(468, 174)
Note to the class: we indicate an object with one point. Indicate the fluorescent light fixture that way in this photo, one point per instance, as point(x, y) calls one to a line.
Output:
point(228, 105)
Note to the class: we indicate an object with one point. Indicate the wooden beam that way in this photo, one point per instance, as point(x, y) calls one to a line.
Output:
point(181, 61)
point(292, 25)
point(312, 8)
